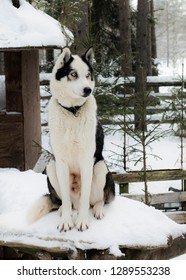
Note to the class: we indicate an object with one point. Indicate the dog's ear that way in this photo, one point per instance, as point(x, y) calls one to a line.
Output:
point(65, 56)
point(89, 55)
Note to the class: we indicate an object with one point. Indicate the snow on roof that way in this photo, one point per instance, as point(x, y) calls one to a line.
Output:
point(27, 27)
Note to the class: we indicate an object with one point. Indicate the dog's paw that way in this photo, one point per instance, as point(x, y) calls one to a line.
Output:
point(98, 210)
point(65, 224)
point(82, 222)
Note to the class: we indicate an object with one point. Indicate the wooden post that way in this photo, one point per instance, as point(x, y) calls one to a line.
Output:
point(123, 188)
point(184, 189)
point(11, 123)
point(20, 127)
point(31, 106)
point(184, 183)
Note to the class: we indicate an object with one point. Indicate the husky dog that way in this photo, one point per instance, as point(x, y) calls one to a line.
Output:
point(77, 176)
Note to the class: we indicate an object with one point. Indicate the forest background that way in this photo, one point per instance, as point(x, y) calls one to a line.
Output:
point(129, 37)
point(124, 33)
point(111, 27)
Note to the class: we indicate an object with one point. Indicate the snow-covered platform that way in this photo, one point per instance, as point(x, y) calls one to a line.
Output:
point(129, 230)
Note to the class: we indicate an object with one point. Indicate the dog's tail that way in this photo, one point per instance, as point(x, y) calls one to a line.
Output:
point(41, 207)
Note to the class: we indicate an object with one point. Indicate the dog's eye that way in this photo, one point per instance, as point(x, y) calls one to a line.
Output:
point(74, 74)
point(88, 75)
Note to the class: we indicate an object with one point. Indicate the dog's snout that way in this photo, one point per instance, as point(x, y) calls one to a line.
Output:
point(87, 91)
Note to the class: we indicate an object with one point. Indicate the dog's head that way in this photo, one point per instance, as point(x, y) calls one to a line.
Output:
point(72, 78)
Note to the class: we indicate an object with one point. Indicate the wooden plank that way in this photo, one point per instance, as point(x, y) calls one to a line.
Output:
point(22, 95)
point(27, 48)
point(1, 253)
point(173, 248)
point(12, 118)
point(159, 198)
point(178, 217)
point(31, 106)
point(130, 81)
point(152, 175)
point(45, 82)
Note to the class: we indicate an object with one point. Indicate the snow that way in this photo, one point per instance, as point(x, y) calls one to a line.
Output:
point(165, 78)
point(27, 26)
point(128, 223)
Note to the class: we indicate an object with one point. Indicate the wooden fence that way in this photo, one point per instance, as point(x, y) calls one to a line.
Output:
point(164, 201)
point(153, 82)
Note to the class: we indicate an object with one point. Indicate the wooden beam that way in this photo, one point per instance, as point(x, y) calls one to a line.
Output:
point(159, 198)
point(176, 247)
point(31, 106)
point(22, 96)
point(178, 217)
point(152, 175)
point(173, 248)
point(27, 48)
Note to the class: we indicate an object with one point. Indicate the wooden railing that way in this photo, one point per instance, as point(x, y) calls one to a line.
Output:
point(152, 175)
point(152, 81)
point(164, 201)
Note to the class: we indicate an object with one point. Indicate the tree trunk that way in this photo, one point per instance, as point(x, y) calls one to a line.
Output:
point(149, 41)
point(49, 60)
point(125, 37)
point(81, 34)
point(96, 17)
point(153, 33)
point(141, 63)
point(168, 33)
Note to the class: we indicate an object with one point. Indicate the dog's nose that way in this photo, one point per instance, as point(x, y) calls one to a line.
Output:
point(87, 91)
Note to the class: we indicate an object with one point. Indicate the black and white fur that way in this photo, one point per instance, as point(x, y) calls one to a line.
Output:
point(78, 176)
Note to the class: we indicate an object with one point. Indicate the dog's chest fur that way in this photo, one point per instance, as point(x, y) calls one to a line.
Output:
point(73, 137)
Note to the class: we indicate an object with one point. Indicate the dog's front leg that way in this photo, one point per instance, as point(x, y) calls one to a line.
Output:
point(62, 171)
point(82, 222)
